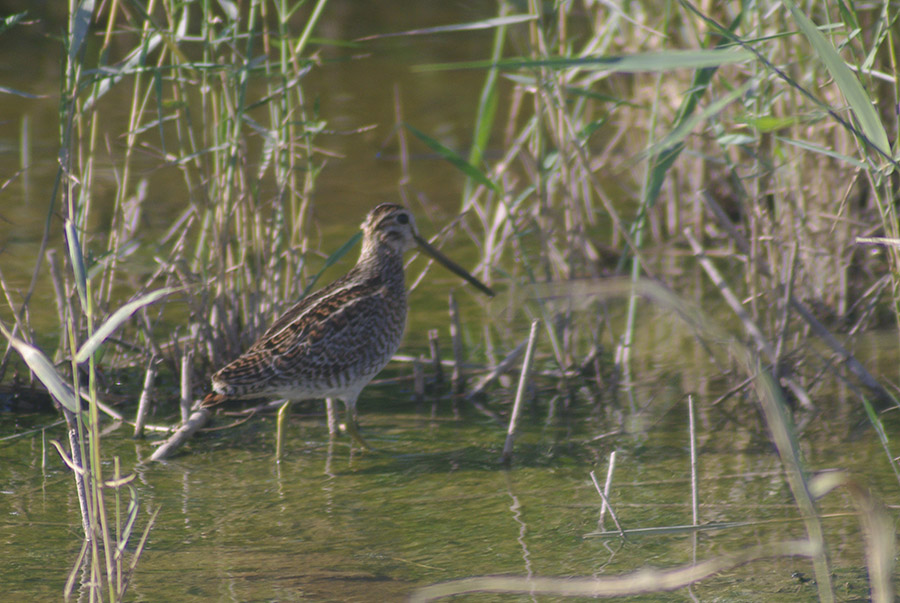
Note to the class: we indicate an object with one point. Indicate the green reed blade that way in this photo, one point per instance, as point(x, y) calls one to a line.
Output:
point(472, 26)
point(859, 102)
point(632, 63)
point(454, 158)
point(80, 23)
point(118, 317)
point(44, 370)
point(77, 260)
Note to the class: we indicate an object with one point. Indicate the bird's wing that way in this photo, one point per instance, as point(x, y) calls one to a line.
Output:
point(296, 311)
point(327, 336)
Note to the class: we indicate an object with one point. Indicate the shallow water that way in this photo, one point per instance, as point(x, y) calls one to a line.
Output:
point(434, 504)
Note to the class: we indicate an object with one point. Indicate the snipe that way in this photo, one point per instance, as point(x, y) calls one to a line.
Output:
point(335, 340)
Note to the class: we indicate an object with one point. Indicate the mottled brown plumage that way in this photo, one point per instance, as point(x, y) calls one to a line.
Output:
point(335, 340)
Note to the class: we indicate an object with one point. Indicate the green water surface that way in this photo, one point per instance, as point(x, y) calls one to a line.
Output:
point(432, 504)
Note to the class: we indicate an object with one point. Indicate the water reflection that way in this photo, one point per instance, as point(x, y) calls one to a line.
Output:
point(516, 509)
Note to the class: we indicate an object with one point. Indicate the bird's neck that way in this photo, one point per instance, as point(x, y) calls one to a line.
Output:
point(382, 262)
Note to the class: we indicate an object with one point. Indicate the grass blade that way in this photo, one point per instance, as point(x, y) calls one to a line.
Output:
point(81, 22)
point(333, 259)
point(116, 320)
point(814, 148)
point(632, 63)
point(849, 85)
point(684, 127)
point(473, 26)
point(77, 259)
point(454, 158)
point(44, 370)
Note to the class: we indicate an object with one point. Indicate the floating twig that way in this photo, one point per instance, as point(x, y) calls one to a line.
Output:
point(198, 419)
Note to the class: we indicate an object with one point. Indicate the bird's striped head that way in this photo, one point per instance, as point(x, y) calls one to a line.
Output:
point(392, 225)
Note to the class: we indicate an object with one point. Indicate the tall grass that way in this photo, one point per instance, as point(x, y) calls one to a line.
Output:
point(737, 121)
point(201, 101)
point(749, 128)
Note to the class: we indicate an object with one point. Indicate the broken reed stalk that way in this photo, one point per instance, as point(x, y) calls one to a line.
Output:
point(506, 455)
point(695, 506)
point(78, 470)
point(606, 488)
point(59, 291)
point(606, 505)
point(457, 378)
point(500, 369)
point(198, 419)
point(187, 360)
point(762, 344)
point(144, 403)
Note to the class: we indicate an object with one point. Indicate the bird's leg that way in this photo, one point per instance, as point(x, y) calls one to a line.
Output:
point(279, 429)
point(353, 428)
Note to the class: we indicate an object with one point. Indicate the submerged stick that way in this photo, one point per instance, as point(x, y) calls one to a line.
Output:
point(520, 393)
point(606, 487)
point(501, 368)
point(198, 419)
point(606, 504)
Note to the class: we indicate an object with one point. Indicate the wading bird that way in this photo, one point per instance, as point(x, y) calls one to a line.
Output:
point(335, 340)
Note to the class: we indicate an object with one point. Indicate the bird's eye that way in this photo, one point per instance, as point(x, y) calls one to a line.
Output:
point(403, 218)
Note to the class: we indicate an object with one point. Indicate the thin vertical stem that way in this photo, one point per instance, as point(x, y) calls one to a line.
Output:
point(695, 507)
point(144, 403)
point(506, 456)
point(187, 361)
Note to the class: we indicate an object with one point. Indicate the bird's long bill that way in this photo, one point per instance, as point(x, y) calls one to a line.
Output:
point(452, 266)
